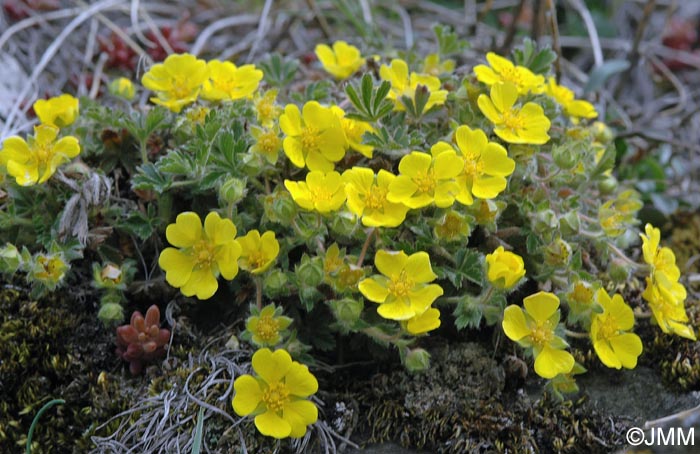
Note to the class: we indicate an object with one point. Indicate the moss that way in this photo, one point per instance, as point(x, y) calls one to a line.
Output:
point(465, 403)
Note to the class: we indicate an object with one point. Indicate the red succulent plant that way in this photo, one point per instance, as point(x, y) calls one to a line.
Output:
point(142, 340)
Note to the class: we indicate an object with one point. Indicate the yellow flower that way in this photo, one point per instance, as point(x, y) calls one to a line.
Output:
point(504, 269)
point(227, 82)
point(265, 327)
point(258, 253)
point(661, 260)
point(504, 71)
point(403, 84)
point(615, 347)
point(526, 124)
point(534, 328)
point(123, 88)
point(434, 67)
point(202, 254)
point(484, 168)
point(315, 138)
point(402, 290)
point(322, 192)
point(277, 397)
point(367, 197)
point(35, 160)
point(421, 324)
point(266, 111)
point(342, 61)
point(565, 98)
point(49, 270)
point(60, 111)
point(267, 142)
point(666, 299)
point(426, 179)
point(177, 81)
point(354, 130)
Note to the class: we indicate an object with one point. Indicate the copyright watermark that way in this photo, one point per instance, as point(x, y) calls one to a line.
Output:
point(661, 436)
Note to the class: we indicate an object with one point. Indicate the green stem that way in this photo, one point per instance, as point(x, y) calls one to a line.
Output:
point(575, 334)
point(365, 247)
point(144, 150)
point(41, 411)
point(258, 291)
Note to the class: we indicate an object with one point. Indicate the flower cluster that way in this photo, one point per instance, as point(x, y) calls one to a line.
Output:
point(665, 295)
point(182, 78)
point(36, 159)
point(278, 395)
point(203, 252)
point(404, 290)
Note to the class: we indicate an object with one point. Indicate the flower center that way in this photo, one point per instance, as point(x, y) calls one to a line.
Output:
point(512, 119)
point(269, 142)
point(511, 75)
point(400, 286)
point(581, 294)
point(275, 396)
point(179, 89)
point(310, 138)
point(204, 254)
point(541, 335)
point(608, 328)
point(257, 259)
point(376, 198)
point(320, 194)
point(473, 166)
point(425, 181)
point(267, 328)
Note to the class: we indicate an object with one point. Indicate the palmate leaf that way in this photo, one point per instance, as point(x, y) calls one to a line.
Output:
point(370, 101)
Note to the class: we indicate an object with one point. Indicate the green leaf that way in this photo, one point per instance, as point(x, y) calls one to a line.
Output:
point(448, 41)
point(176, 162)
point(137, 224)
point(606, 162)
point(148, 177)
point(532, 243)
point(198, 433)
point(467, 314)
point(602, 73)
point(469, 265)
point(279, 71)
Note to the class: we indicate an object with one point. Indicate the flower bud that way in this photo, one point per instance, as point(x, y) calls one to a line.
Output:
point(504, 269)
point(417, 360)
point(601, 132)
point(10, 258)
point(545, 221)
point(347, 311)
point(111, 314)
point(233, 190)
point(570, 223)
point(343, 224)
point(608, 185)
point(122, 88)
point(558, 253)
point(453, 226)
point(280, 207)
point(310, 271)
point(618, 270)
point(275, 283)
point(566, 156)
point(48, 270)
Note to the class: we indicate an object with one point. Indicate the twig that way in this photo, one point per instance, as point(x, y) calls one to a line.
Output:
point(203, 37)
point(552, 15)
point(407, 27)
point(512, 29)
point(262, 26)
point(585, 14)
point(634, 52)
point(320, 19)
point(48, 55)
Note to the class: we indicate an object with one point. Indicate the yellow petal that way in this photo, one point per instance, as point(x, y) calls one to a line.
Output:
point(504, 96)
point(300, 381)
point(201, 284)
point(177, 266)
point(397, 310)
point(290, 120)
point(390, 263)
point(425, 322)
point(496, 161)
point(373, 290)
point(541, 306)
point(627, 348)
point(186, 230)
point(219, 231)
point(514, 323)
point(270, 366)
point(271, 425)
point(299, 414)
point(606, 354)
point(488, 108)
point(227, 256)
point(248, 395)
point(415, 163)
point(550, 362)
point(418, 268)
point(422, 298)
